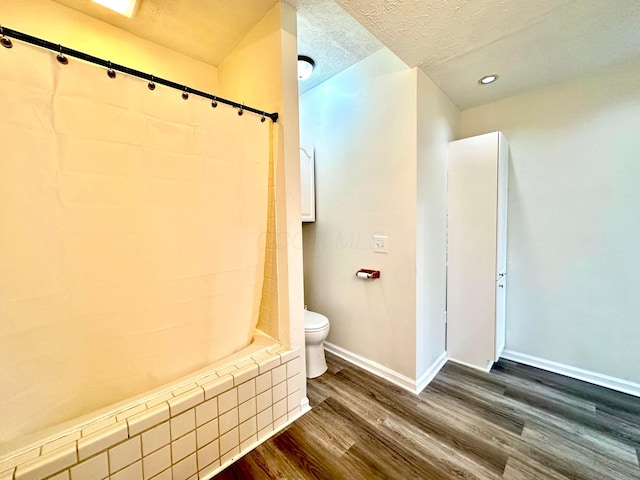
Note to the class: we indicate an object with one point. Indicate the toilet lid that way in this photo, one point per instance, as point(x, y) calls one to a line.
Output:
point(314, 321)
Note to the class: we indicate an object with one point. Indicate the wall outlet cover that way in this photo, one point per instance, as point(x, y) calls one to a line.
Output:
point(381, 243)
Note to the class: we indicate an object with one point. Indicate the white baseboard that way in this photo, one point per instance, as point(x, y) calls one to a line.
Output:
point(573, 372)
point(432, 371)
point(386, 373)
point(304, 405)
point(475, 367)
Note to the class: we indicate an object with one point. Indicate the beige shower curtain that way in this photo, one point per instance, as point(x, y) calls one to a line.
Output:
point(132, 235)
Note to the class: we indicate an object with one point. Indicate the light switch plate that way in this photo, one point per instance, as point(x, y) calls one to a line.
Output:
point(381, 244)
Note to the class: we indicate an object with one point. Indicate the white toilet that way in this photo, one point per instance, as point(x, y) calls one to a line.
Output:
point(316, 329)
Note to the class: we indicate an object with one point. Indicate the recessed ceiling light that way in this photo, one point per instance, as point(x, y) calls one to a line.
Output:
point(305, 67)
point(487, 79)
point(123, 7)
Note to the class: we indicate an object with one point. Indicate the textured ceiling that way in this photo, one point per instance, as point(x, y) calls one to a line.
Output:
point(206, 30)
point(529, 43)
point(331, 37)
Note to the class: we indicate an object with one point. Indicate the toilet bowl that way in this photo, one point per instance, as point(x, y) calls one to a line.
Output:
point(316, 329)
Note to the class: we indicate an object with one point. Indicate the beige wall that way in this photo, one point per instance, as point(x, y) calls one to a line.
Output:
point(262, 71)
point(362, 123)
point(59, 24)
point(437, 126)
point(574, 227)
point(381, 132)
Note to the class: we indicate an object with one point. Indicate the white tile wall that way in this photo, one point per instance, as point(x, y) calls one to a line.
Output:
point(227, 401)
point(246, 391)
point(183, 447)
point(293, 367)
point(123, 455)
point(189, 432)
point(132, 472)
point(183, 424)
point(265, 432)
point(247, 410)
point(157, 462)
point(101, 440)
point(64, 475)
point(96, 468)
point(248, 428)
point(147, 419)
point(216, 387)
point(279, 392)
point(279, 374)
point(210, 470)
point(229, 440)
point(207, 433)
point(244, 374)
point(99, 425)
point(264, 400)
point(206, 412)
point(166, 475)
point(248, 443)
point(155, 438)
point(280, 408)
point(263, 382)
point(264, 419)
point(184, 469)
point(186, 400)
point(230, 455)
point(60, 442)
point(228, 420)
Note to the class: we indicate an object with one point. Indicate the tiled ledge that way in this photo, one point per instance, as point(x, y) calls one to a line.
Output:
point(185, 433)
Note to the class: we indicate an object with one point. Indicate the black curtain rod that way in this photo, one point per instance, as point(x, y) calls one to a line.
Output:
point(7, 32)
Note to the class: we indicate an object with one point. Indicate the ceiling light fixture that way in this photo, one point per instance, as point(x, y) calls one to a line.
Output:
point(123, 7)
point(487, 79)
point(305, 67)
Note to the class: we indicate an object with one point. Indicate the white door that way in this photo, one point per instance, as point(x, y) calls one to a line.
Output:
point(472, 254)
point(307, 183)
point(501, 270)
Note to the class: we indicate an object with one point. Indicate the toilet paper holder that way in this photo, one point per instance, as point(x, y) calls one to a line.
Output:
point(368, 274)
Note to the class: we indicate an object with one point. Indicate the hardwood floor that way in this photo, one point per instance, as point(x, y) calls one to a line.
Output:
point(517, 423)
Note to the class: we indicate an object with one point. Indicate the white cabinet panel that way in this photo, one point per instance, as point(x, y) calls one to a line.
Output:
point(476, 249)
point(307, 183)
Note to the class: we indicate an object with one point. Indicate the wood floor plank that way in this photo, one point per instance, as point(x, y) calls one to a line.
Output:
point(599, 395)
point(543, 419)
point(589, 463)
point(615, 428)
point(516, 423)
point(406, 407)
point(488, 411)
point(529, 470)
point(446, 462)
point(381, 452)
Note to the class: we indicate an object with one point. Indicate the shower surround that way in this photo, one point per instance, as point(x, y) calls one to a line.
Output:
point(133, 251)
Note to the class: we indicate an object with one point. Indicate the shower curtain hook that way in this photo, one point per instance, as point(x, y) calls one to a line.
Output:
point(110, 71)
point(6, 42)
point(151, 84)
point(60, 57)
point(214, 102)
point(185, 94)
point(241, 110)
point(263, 119)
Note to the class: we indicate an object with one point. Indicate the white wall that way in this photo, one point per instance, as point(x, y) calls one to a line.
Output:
point(574, 222)
point(437, 126)
point(363, 125)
